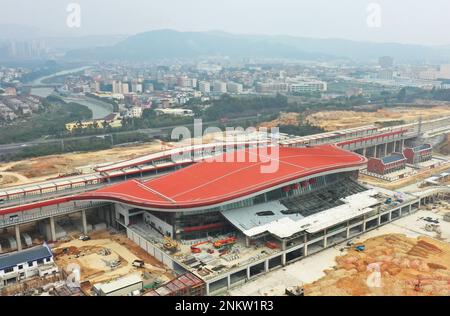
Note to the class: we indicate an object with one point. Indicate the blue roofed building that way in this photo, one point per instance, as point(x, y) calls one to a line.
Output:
point(388, 164)
point(21, 265)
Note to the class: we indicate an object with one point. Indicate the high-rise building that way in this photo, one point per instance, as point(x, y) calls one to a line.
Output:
point(444, 71)
point(271, 87)
point(204, 87)
point(220, 87)
point(125, 88)
point(234, 87)
point(116, 86)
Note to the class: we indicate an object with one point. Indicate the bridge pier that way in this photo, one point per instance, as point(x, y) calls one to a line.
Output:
point(18, 240)
point(84, 221)
point(52, 228)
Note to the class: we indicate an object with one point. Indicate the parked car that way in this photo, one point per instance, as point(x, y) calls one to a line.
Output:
point(84, 237)
point(138, 263)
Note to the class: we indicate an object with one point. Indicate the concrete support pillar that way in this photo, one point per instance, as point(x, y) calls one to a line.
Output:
point(283, 245)
point(348, 231)
point(248, 273)
point(385, 149)
point(364, 151)
point(402, 145)
point(266, 265)
point(305, 250)
point(375, 151)
point(229, 281)
point(84, 221)
point(18, 240)
point(283, 259)
point(247, 241)
point(52, 229)
point(325, 241)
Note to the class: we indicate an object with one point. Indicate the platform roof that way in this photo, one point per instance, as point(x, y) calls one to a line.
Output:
point(284, 226)
point(210, 183)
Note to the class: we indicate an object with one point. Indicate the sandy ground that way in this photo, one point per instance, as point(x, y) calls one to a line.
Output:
point(324, 273)
point(334, 120)
point(47, 167)
point(94, 266)
point(283, 119)
point(53, 166)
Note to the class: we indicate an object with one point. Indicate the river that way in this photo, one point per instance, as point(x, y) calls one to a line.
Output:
point(99, 108)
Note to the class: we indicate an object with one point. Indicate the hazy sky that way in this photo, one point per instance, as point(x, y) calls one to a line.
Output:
point(405, 21)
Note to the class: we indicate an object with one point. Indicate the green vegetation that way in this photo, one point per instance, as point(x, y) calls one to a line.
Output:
point(79, 145)
point(50, 120)
point(229, 107)
point(301, 129)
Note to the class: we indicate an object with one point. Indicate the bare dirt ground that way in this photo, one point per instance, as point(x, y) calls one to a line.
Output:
point(407, 266)
point(283, 119)
point(53, 166)
point(94, 265)
point(334, 120)
point(444, 148)
point(43, 168)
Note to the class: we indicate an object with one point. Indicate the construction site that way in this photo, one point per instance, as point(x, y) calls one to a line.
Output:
point(108, 256)
point(408, 257)
point(335, 120)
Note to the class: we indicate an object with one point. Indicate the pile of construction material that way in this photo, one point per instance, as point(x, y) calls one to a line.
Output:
point(389, 265)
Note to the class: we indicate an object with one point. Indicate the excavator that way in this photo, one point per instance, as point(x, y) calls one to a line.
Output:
point(195, 249)
point(225, 242)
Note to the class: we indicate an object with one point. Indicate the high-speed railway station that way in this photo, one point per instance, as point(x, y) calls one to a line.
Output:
point(226, 220)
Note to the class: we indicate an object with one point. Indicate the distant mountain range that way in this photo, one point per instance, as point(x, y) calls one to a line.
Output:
point(173, 44)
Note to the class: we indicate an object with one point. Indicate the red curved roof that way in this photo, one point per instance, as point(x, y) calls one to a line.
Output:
point(209, 183)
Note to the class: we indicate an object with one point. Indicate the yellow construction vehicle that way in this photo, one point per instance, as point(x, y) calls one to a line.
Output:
point(170, 244)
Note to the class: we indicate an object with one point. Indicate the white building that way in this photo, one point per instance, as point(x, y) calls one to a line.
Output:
point(16, 266)
point(134, 112)
point(307, 86)
point(234, 87)
point(220, 87)
point(175, 112)
point(204, 87)
point(444, 71)
point(120, 287)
